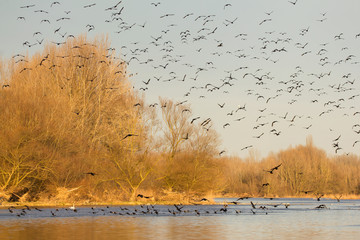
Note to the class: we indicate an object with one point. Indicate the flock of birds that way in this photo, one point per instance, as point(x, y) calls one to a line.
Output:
point(265, 82)
point(201, 208)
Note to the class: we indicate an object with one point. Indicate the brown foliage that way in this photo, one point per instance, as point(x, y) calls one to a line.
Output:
point(62, 108)
point(304, 171)
point(187, 164)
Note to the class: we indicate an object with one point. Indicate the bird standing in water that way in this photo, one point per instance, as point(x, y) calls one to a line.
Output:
point(73, 207)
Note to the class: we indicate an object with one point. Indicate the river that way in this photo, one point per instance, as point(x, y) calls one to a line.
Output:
point(281, 218)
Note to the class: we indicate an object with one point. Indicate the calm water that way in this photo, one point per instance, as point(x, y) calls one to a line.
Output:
point(301, 220)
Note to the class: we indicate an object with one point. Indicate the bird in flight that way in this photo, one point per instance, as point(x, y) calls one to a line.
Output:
point(28, 6)
point(142, 196)
point(336, 139)
point(306, 192)
point(227, 5)
point(129, 135)
point(186, 137)
point(167, 15)
point(293, 3)
point(265, 20)
point(194, 119)
point(155, 4)
point(54, 3)
point(259, 135)
point(226, 125)
point(318, 196)
point(244, 148)
point(90, 5)
point(91, 173)
point(271, 171)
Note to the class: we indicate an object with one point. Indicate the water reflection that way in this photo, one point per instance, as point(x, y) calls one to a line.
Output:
point(112, 227)
point(302, 221)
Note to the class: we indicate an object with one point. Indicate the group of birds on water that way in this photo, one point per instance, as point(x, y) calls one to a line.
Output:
point(189, 53)
point(234, 207)
point(200, 208)
point(142, 210)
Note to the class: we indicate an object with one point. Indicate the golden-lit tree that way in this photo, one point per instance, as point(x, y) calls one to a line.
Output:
point(176, 118)
point(128, 151)
point(62, 109)
point(189, 149)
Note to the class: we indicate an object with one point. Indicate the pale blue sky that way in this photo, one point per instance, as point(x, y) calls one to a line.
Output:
point(295, 81)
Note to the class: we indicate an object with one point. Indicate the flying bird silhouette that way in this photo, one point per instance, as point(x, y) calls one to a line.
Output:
point(129, 135)
point(271, 171)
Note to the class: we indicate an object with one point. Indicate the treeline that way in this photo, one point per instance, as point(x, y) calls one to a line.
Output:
point(305, 171)
point(74, 129)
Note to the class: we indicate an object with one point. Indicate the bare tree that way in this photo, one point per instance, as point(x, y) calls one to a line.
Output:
point(190, 150)
point(177, 125)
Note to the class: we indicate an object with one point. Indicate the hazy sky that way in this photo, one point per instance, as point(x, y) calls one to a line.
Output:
point(280, 71)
